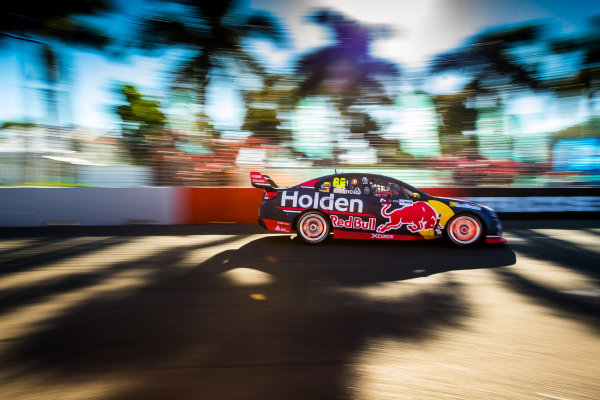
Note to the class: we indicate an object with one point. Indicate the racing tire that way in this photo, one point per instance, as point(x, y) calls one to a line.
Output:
point(312, 227)
point(465, 230)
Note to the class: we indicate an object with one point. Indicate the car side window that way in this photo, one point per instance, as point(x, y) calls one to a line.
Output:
point(386, 189)
point(408, 194)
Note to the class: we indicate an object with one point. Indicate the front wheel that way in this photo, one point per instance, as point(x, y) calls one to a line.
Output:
point(464, 230)
point(312, 227)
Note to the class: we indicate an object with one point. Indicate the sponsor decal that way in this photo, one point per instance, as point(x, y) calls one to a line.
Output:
point(365, 181)
point(339, 234)
point(355, 191)
point(354, 182)
point(278, 226)
point(339, 183)
point(327, 202)
point(381, 236)
point(366, 190)
point(325, 187)
point(353, 223)
point(257, 177)
point(416, 217)
point(402, 202)
point(464, 205)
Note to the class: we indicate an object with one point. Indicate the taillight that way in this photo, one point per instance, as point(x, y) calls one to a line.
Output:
point(270, 195)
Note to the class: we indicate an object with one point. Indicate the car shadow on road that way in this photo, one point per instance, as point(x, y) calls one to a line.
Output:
point(356, 262)
point(292, 331)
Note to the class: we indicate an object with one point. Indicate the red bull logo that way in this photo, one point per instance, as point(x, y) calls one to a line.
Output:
point(353, 222)
point(417, 217)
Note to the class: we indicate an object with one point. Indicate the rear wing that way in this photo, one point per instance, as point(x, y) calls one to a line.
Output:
point(261, 181)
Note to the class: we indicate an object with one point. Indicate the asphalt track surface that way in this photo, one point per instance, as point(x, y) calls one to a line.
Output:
point(229, 312)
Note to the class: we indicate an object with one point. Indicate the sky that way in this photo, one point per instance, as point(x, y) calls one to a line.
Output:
point(426, 27)
point(421, 30)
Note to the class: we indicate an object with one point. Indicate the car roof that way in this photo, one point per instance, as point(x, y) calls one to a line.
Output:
point(369, 175)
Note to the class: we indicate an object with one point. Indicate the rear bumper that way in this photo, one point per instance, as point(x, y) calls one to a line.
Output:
point(261, 222)
point(275, 225)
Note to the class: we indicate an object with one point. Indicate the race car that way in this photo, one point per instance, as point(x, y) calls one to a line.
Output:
point(369, 206)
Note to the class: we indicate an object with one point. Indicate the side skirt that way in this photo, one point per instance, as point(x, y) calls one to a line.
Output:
point(338, 234)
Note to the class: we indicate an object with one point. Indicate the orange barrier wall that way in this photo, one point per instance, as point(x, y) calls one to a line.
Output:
point(209, 205)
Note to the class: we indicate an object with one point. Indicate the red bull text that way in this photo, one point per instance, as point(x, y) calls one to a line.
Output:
point(353, 223)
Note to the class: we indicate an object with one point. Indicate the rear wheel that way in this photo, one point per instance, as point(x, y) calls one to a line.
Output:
point(312, 227)
point(464, 230)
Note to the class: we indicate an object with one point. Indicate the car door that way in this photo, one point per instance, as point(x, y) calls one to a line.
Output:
point(350, 210)
point(394, 209)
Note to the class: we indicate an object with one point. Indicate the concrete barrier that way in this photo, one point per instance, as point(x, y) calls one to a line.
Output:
point(171, 206)
point(87, 206)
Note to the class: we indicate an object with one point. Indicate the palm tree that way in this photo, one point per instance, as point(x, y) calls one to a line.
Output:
point(142, 123)
point(345, 69)
point(45, 23)
point(489, 60)
point(587, 78)
point(348, 74)
point(212, 36)
point(264, 108)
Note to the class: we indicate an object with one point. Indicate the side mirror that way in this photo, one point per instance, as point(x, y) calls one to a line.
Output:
point(416, 196)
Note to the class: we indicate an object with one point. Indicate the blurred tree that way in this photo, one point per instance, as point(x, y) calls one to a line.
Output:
point(495, 70)
point(38, 21)
point(455, 118)
point(346, 68)
point(263, 108)
point(143, 124)
point(489, 59)
point(212, 36)
point(362, 123)
point(347, 73)
point(46, 23)
point(587, 79)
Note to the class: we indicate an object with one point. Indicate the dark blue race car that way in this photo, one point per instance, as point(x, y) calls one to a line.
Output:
point(368, 206)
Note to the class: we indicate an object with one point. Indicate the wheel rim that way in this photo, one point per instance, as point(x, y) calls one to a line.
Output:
point(313, 227)
point(465, 230)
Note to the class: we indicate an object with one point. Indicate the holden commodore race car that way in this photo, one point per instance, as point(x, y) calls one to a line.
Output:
point(369, 206)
